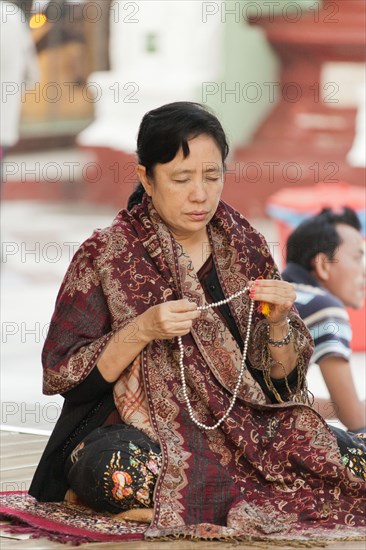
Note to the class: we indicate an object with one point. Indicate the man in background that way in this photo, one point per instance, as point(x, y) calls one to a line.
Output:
point(325, 261)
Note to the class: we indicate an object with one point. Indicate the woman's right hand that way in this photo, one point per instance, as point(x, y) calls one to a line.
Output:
point(168, 320)
point(160, 322)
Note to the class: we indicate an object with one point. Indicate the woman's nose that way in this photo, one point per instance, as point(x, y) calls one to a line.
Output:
point(198, 193)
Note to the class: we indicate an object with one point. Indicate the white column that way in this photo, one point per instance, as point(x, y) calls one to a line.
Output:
point(161, 51)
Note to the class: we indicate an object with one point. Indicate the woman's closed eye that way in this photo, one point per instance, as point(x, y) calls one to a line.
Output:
point(186, 180)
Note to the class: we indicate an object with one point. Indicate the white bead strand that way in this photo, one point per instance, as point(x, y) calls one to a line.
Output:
point(222, 302)
point(242, 367)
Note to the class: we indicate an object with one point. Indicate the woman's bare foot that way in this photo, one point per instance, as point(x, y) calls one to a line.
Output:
point(71, 497)
point(142, 515)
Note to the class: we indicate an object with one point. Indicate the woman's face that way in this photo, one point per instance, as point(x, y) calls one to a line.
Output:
point(186, 191)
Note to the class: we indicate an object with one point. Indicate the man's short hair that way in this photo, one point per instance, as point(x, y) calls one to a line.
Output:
point(319, 234)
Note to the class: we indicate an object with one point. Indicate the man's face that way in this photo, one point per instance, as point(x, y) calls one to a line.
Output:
point(346, 272)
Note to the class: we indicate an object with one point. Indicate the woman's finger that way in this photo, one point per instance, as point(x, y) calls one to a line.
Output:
point(274, 284)
point(273, 298)
point(279, 293)
point(181, 305)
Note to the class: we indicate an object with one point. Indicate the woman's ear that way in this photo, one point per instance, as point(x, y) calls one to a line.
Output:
point(321, 266)
point(143, 178)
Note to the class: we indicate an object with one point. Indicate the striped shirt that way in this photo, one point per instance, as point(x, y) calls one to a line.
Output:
point(323, 313)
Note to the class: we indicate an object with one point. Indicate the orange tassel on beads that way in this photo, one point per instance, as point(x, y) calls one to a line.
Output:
point(265, 309)
point(264, 306)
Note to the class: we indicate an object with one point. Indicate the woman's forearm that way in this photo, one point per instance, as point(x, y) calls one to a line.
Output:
point(122, 349)
point(161, 322)
point(286, 361)
point(285, 356)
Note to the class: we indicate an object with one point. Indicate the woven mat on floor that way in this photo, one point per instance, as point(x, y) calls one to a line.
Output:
point(61, 522)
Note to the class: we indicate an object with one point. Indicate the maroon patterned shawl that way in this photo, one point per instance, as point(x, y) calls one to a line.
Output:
point(269, 470)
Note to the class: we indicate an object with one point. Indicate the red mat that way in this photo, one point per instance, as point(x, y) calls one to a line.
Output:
point(61, 522)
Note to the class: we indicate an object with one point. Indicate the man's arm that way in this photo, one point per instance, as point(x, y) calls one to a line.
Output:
point(344, 399)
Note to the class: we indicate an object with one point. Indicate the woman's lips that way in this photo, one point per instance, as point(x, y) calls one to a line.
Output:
point(197, 215)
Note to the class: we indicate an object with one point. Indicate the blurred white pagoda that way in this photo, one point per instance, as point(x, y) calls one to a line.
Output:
point(160, 51)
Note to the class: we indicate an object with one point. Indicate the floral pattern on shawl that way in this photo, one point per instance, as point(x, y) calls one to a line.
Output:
point(273, 461)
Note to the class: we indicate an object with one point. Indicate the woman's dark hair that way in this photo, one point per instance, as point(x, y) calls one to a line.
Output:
point(319, 234)
point(163, 131)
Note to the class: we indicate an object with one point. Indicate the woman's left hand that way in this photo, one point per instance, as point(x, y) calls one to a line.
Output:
point(279, 295)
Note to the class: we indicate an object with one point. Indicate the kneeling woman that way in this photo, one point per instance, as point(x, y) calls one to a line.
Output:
point(182, 362)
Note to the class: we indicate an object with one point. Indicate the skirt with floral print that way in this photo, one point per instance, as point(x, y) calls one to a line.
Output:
point(114, 469)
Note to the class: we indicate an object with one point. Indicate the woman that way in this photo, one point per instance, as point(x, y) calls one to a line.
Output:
point(197, 413)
